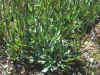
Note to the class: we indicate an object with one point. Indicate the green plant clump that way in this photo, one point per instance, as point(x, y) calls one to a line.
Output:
point(46, 31)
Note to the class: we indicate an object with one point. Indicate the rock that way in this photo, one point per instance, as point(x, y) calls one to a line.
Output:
point(97, 29)
point(91, 60)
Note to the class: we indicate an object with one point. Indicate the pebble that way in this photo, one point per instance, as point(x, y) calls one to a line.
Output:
point(91, 60)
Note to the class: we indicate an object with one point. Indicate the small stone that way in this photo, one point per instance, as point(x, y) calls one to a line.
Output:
point(86, 43)
point(9, 73)
point(22, 70)
point(6, 65)
point(91, 60)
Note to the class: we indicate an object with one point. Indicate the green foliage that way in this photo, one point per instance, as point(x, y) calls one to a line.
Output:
point(47, 31)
